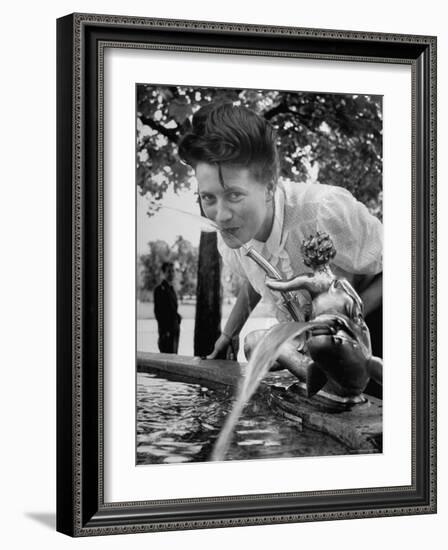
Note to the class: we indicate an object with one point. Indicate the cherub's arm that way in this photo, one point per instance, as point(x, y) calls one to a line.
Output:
point(357, 306)
point(313, 283)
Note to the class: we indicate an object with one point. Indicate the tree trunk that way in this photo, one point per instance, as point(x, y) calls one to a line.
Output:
point(208, 296)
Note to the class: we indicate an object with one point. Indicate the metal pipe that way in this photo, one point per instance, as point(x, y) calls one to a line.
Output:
point(270, 270)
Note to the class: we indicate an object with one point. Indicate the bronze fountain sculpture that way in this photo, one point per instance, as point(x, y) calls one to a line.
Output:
point(338, 342)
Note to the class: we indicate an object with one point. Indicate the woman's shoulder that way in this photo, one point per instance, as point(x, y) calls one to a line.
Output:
point(297, 192)
point(302, 195)
point(304, 201)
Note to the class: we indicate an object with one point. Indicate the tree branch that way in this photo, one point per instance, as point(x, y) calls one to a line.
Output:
point(170, 133)
point(283, 109)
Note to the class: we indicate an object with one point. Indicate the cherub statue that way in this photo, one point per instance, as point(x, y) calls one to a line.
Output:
point(336, 337)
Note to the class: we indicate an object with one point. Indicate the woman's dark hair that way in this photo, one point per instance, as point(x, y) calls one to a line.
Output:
point(223, 133)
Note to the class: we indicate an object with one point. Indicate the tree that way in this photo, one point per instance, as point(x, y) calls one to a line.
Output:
point(183, 254)
point(208, 297)
point(151, 264)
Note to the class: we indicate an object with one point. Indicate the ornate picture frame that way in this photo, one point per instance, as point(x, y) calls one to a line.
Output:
point(82, 509)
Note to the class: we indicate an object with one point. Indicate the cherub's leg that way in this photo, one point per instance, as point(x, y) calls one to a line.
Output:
point(289, 357)
point(251, 340)
point(295, 361)
point(375, 368)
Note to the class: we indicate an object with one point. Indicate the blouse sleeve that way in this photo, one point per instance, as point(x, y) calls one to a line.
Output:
point(357, 234)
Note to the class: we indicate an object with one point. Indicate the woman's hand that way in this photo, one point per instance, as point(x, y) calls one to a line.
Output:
point(224, 349)
point(226, 346)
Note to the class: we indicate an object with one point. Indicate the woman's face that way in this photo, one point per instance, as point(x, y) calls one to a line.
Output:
point(242, 208)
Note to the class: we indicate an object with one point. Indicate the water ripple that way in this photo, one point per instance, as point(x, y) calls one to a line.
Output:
point(179, 422)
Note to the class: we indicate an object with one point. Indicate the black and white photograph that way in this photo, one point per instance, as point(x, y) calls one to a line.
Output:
point(223, 306)
point(246, 275)
point(258, 269)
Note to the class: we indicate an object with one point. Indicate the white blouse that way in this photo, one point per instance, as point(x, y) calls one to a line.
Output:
point(301, 209)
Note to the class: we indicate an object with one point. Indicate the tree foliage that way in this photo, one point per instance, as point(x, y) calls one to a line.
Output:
point(183, 255)
point(330, 138)
point(151, 264)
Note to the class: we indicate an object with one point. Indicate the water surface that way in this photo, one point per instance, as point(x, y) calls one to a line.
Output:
point(179, 422)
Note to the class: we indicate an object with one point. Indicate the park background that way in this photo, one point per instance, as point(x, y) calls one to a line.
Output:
point(28, 274)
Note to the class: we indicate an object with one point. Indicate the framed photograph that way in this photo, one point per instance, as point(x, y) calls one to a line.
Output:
point(246, 274)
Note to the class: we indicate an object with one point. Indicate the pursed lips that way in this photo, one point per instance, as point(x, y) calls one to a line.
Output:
point(231, 230)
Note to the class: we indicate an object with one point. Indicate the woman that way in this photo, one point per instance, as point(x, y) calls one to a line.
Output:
point(233, 152)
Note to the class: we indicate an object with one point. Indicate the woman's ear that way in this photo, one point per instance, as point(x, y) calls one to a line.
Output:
point(270, 189)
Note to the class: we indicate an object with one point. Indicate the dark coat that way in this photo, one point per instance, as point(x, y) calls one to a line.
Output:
point(165, 308)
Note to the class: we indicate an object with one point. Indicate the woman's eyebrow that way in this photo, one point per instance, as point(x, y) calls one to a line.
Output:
point(230, 188)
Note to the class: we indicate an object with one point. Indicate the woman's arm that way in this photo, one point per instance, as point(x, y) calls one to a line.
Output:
point(245, 303)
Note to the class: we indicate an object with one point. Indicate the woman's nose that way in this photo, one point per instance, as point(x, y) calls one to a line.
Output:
point(223, 213)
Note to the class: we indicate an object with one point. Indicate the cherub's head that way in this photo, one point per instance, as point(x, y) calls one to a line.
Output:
point(318, 250)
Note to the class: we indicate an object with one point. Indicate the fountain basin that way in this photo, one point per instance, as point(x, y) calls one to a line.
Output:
point(358, 428)
point(211, 373)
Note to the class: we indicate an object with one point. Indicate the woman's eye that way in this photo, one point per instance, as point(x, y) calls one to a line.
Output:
point(234, 196)
point(207, 198)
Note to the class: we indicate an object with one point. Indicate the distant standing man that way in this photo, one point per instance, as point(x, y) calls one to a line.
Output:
point(165, 310)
